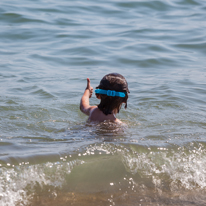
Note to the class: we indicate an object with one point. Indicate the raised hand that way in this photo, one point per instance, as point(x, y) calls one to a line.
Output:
point(89, 88)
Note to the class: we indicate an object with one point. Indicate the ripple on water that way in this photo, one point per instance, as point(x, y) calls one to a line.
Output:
point(49, 155)
point(153, 5)
point(19, 18)
point(42, 93)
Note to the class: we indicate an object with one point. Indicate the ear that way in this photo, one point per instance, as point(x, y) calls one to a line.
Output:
point(98, 96)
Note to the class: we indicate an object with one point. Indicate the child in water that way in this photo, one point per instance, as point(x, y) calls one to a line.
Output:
point(112, 91)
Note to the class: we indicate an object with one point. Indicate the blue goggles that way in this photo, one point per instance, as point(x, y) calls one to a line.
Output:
point(110, 93)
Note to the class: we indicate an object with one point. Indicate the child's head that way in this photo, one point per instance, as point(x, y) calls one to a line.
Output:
point(114, 82)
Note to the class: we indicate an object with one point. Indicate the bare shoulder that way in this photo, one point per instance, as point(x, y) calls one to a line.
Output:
point(118, 121)
point(94, 111)
point(97, 115)
point(87, 110)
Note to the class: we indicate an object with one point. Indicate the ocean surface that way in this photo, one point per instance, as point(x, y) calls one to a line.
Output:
point(51, 155)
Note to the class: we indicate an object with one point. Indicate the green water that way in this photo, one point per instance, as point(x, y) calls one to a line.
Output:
point(50, 154)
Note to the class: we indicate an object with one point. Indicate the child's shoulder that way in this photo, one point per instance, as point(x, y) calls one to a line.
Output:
point(97, 115)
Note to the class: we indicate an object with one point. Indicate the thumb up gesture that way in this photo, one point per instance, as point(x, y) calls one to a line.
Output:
point(89, 88)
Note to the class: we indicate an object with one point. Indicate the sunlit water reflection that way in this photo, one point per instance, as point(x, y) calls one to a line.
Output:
point(50, 154)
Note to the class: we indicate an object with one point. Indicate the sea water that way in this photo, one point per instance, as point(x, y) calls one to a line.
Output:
point(50, 155)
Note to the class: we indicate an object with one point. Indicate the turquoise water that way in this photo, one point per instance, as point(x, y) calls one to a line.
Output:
point(50, 154)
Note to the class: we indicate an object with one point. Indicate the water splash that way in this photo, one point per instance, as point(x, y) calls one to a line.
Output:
point(18, 185)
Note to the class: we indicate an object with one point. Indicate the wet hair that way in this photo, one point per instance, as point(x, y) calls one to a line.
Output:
point(118, 83)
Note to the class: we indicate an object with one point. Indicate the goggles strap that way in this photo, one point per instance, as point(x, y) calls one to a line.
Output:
point(110, 93)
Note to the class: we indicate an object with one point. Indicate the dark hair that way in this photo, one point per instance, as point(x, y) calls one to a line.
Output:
point(118, 83)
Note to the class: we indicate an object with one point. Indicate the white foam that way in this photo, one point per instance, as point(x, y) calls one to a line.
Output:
point(13, 181)
point(187, 168)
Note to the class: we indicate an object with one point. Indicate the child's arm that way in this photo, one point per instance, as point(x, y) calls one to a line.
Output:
point(84, 103)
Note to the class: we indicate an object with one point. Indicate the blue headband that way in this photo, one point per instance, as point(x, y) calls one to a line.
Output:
point(110, 93)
